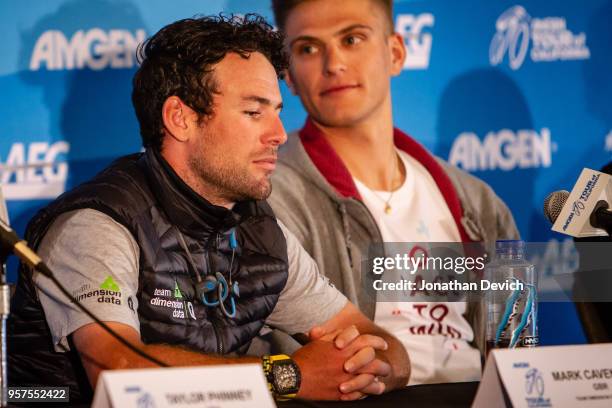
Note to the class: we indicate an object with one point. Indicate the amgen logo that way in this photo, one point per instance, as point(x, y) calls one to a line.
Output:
point(34, 171)
point(504, 150)
point(418, 43)
point(549, 38)
point(95, 49)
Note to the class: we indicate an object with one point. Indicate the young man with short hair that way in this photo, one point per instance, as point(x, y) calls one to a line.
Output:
point(349, 179)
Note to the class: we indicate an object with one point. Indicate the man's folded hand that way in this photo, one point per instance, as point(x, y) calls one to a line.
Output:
point(363, 365)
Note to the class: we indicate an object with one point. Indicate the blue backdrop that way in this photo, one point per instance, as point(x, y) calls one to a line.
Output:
point(516, 93)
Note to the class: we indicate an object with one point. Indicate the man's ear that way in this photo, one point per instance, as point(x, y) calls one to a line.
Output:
point(289, 81)
point(176, 116)
point(397, 48)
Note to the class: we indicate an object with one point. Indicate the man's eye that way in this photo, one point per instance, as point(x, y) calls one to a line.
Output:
point(352, 40)
point(253, 114)
point(307, 49)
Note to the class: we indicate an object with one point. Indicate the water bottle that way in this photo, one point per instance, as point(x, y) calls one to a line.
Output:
point(512, 312)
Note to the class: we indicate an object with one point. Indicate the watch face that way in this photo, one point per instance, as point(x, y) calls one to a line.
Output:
point(285, 377)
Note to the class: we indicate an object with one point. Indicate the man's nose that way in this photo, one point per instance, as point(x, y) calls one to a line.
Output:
point(276, 134)
point(334, 61)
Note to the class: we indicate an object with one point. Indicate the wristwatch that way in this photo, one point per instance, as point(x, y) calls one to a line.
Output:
point(282, 374)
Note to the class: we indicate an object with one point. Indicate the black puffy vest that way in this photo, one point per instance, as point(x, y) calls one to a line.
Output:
point(168, 220)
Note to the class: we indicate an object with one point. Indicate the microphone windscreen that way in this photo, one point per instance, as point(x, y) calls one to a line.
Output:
point(554, 203)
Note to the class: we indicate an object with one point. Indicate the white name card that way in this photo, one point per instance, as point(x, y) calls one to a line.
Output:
point(235, 385)
point(559, 376)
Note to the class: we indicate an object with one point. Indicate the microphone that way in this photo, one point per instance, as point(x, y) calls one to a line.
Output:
point(601, 216)
point(554, 203)
point(583, 212)
point(10, 242)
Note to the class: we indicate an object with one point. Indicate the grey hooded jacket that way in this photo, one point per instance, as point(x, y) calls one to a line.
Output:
point(336, 228)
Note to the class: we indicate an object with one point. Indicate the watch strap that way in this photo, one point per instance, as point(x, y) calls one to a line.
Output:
point(268, 364)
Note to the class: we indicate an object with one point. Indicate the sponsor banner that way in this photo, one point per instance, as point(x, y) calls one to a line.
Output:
point(418, 41)
point(516, 93)
point(36, 170)
point(544, 39)
point(95, 49)
point(504, 150)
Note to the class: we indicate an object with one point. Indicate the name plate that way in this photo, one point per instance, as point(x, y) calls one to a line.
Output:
point(558, 376)
point(235, 385)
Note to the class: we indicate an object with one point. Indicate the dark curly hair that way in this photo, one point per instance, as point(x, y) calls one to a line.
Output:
point(179, 61)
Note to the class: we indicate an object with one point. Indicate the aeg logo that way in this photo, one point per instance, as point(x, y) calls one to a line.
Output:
point(34, 171)
point(504, 150)
point(418, 43)
point(95, 49)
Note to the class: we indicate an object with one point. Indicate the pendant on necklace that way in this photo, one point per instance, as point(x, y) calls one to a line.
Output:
point(387, 208)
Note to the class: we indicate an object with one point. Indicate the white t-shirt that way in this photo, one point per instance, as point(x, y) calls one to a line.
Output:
point(419, 214)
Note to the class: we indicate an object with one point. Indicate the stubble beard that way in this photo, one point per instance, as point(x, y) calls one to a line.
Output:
point(228, 182)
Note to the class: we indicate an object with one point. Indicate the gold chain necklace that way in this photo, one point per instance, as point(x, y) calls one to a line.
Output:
point(387, 202)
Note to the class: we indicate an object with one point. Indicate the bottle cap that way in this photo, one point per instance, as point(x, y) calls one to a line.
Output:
point(510, 247)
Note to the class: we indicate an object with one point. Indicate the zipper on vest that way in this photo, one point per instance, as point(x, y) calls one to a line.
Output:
point(213, 320)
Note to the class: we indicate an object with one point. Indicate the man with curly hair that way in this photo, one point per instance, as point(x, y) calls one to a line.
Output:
point(176, 248)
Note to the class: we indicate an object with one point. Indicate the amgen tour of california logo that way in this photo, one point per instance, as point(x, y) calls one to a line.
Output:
point(549, 37)
point(534, 388)
point(36, 170)
point(144, 399)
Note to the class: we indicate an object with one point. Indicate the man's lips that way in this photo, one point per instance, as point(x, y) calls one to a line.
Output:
point(337, 89)
point(268, 163)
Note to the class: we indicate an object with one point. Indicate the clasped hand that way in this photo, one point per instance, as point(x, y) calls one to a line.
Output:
point(343, 365)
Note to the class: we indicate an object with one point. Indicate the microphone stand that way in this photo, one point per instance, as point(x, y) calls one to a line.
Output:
point(5, 306)
point(601, 217)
